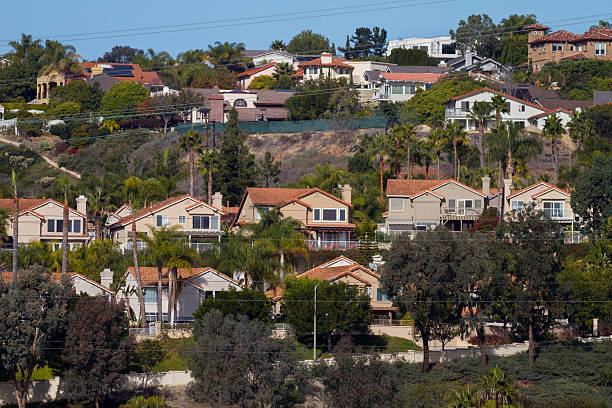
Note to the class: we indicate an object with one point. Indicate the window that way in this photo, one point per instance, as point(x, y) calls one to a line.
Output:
point(557, 47)
point(182, 219)
point(240, 103)
point(368, 291)
point(507, 106)
point(600, 48)
point(59, 225)
point(463, 205)
point(522, 108)
point(313, 71)
point(341, 214)
point(465, 106)
point(396, 204)
point(410, 89)
point(518, 206)
point(201, 222)
point(50, 225)
point(477, 203)
point(150, 295)
point(397, 89)
point(381, 296)
point(74, 226)
point(329, 214)
point(553, 209)
point(162, 220)
point(317, 214)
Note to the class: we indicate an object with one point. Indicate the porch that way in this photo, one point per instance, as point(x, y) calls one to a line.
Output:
point(331, 236)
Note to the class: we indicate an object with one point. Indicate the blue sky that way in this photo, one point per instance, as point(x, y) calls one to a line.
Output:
point(61, 17)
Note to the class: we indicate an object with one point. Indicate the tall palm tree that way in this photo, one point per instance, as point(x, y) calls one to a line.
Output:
point(15, 226)
point(481, 114)
point(553, 130)
point(418, 154)
point(380, 147)
point(508, 143)
point(97, 205)
point(190, 144)
point(278, 45)
point(132, 190)
point(228, 54)
point(398, 149)
point(64, 184)
point(209, 164)
point(435, 142)
point(498, 105)
point(580, 128)
point(456, 134)
point(22, 48)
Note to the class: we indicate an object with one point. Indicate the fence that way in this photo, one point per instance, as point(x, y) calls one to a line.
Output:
point(286, 126)
point(332, 245)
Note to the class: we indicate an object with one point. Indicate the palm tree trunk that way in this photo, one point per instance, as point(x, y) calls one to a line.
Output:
point(481, 143)
point(510, 165)
point(438, 167)
point(410, 164)
point(170, 291)
point(481, 344)
point(455, 159)
point(210, 186)
point(65, 236)
point(159, 294)
point(531, 342)
point(555, 163)
point(427, 164)
point(397, 165)
point(141, 305)
point(191, 170)
point(381, 174)
point(15, 234)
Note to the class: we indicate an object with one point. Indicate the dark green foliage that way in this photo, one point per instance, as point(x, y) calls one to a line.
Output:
point(121, 54)
point(307, 42)
point(368, 245)
point(313, 98)
point(402, 56)
point(123, 97)
point(340, 308)
point(97, 349)
point(477, 34)
point(246, 302)
point(269, 169)
point(234, 361)
point(600, 117)
point(592, 197)
point(578, 78)
point(89, 97)
point(237, 169)
point(366, 42)
point(29, 128)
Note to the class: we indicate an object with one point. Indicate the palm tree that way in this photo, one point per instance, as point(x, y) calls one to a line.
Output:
point(553, 130)
point(481, 114)
point(15, 226)
point(209, 164)
point(278, 45)
point(418, 154)
point(465, 398)
point(23, 48)
point(455, 133)
point(435, 142)
point(580, 128)
point(228, 54)
point(283, 68)
point(508, 143)
point(380, 147)
point(190, 144)
point(498, 105)
point(496, 387)
point(64, 184)
point(397, 142)
point(97, 206)
point(132, 190)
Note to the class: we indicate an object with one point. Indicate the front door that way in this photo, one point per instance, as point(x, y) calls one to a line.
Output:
point(460, 207)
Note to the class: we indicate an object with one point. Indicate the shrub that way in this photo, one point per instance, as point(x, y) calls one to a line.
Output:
point(142, 402)
point(492, 340)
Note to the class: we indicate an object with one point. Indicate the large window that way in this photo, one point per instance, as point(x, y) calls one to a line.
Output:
point(600, 48)
point(150, 295)
point(240, 103)
point(410, 89)
point(465, 106)
point(313, 71)
point(162, 220)
point(329, 214)
point(396, 204)
point(463, 206)
point(74, 226)
point(518, 206)
point(381, 296)
point(553, 209)
point(397, 89)
point(205, 222)
point(58, 226)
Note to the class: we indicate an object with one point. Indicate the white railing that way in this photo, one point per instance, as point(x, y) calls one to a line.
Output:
point(202, 246)
point(332, 245)
point(462, 211)
point(457, 112)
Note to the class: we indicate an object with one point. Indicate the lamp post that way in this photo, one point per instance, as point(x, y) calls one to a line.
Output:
point(314, 337)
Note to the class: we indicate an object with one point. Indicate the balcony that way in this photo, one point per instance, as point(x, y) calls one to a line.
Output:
point(456, 113)
point(461, 213)
point(331, 245)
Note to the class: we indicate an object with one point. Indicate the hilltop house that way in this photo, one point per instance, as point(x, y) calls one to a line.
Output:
point(544, 47)
point(42, 219)
point(553, 201)
point(472, 63)
point(401, 86)
point(326, 66)
point(245, 78)
point(195, 285)
point(424, 204)
point(199, 221)
point(324, 217)
point(436, 47)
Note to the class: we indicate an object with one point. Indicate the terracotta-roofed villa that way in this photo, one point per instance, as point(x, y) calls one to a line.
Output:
point(324, 217)
point(401, 86)
point(326, 66)
point(551, 200)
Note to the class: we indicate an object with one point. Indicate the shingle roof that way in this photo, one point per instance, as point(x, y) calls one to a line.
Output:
point(272, 113)
point(103, 80)
point(268, 97)
point(567, 104)
point(148, 274)
point(409, 187)
point(411, 77)
point(553, 111)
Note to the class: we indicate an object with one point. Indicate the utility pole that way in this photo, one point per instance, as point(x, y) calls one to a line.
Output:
point(314, 338)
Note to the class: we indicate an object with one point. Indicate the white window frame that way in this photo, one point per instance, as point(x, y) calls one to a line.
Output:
point(337, 210)
point(164, 220)
point(514, 205)
point(600, 49)
point(396, 198)
point(182, 219)
point(555, 213)
point(464, 201)
point(323, 218)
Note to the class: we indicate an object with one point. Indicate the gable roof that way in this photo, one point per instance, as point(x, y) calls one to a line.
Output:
point(553, 188)
point(7, 276)
point(148, 274)
point(255, 70)
point(338, 259)
point(534, 185)
point(335, 62)
point(415, 188)
point(24, 203)
point(465, 95)
point(273, 196)
point(50, 200)
point(332, 273)
point(411, 77)
point(551, 112)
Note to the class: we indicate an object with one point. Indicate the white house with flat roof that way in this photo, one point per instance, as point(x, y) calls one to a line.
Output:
point(436, 47)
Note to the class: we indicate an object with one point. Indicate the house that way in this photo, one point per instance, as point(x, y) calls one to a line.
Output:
point(42, 219)
point(327, 66)
point(324, 217)
point(552, 200)
point(520, 111)
point(245, 78)
point(401, 87)
point(82, 285)
point(472, 63)
point(199, 221)
point(195, 285)
point(544, 47)
point(539, 120)
point(343, 269)
point(261, 57)
point(5, 62)
point(424, 204)
point(361, 67)
point(436, 47)
point(52, 76)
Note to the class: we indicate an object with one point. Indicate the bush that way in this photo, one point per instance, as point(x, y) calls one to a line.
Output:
point(250, 303)
point(142, 402)
point(491, 340)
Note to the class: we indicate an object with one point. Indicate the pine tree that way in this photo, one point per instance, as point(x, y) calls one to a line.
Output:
point(367, 242)
point(237, 169)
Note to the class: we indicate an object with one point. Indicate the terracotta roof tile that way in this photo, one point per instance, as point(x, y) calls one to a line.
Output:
point(273, 196)
point(536, 26)
point(24, 203)
point(255, 70)
point(558, 36)
point(334, 272)
point(148, 274)
point(598, 33)
point(411, 77)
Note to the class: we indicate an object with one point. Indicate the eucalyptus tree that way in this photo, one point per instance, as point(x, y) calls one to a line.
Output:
point(481, 115)
point(553, 131)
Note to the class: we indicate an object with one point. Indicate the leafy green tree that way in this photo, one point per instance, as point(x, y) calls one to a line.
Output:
point(508, 143)
point(368, 245)
point(66, 109)
point(262, 82)
point(283, 69)
point(228, 54)
point(35, 311)
point(379, 41)
point(312, 99)
point(97, 349)
point(340, 308)
point(244, 366)
point(121, 54)
point(580, 129)
point(124, 96)
point(283, 82)
point(481, 114)
point(416, 276)
point(237, 169)
point(278, 45)
point(190, 143)
point(534, 265)
point(553, 130)
point(410, 57)
point(269, 169)
point(592, 195)
point(477, 34)
point(87, 96)
point(307, 42)
point(246, 302)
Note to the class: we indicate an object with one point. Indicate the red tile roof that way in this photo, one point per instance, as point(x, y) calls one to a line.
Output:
point(495, 92)
point(575, 57)
point(595, 34)
point(409, 187)
point(534, 185)
point(276, 196)
point(24, 203)
point(255, 70)
point(148, 274)
point(536, 26)
point(598, 33)
point(336, 62)
point(334, 272)
point(411, 77)
point(298, 74)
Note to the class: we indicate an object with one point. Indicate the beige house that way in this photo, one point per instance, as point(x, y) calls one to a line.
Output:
point(196, 219)
point(327, 66)
point(195, 285)
point(245, 78)
point(42, 219)
point(551, 200)
point(324, 217)
point(424, 204)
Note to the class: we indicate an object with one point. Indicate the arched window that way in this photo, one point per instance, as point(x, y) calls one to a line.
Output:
point(240, 103)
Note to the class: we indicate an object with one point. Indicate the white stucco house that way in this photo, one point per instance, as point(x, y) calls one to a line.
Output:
point(436, 47)
point(402, 86)
point(564, 115)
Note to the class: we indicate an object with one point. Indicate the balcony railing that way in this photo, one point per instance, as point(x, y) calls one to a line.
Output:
point(462, 211)
point(202, 246)
point(332, 245)
point(456, 112)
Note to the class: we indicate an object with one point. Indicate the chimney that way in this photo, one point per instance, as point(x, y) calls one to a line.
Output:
point(215, 102)
point(507, 187)
point(486, 185)
point(326, 58)
point(217, 200)
point(82, 204)
point(106, 278)
point(468, 58)
point(346, 193)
